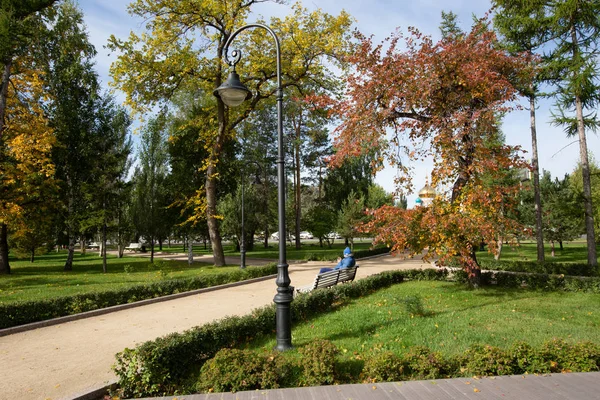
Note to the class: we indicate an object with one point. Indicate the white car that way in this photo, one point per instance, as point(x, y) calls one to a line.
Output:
point(334, 235)
point(306, 235)
point(275, 235)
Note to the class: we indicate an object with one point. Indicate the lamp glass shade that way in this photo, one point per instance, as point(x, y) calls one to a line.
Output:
point(232, 91)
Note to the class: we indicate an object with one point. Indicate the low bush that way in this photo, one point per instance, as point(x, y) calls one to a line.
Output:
point(535, 281)
point(316, 364)
point(545, 267)
point(233, 370)
point(15, 314)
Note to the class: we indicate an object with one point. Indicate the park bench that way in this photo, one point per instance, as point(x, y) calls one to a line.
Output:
point(134, 247)
point(330, 278)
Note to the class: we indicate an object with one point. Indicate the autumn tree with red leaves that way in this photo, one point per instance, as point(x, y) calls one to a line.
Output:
point(441, 100)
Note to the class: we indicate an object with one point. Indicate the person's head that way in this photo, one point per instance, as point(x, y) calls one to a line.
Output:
point(347, 252)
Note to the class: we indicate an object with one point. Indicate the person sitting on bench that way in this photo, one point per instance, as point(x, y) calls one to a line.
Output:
point(346, 262)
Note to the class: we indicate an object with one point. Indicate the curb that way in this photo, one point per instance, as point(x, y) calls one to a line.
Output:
point(102, 311)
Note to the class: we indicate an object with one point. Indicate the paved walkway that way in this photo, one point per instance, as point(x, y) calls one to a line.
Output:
point(574, 386)
point(74, 358)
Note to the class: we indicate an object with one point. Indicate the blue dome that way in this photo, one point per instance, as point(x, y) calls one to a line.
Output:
point(418, 200)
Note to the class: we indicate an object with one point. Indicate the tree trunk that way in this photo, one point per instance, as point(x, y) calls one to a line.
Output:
point(552, 247)
point(4, 92)
point(587, 187)
point(211, 170)
point(585, 172)
point(298, 186)
point(32, 254)
point(498, 249)
point(4, 264)
point(539, 233)
point(70, 253)
point(151, 249)
point(190, 250)
point(103, 247)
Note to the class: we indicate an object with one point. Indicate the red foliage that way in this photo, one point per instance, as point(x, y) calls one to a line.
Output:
point(442, 100)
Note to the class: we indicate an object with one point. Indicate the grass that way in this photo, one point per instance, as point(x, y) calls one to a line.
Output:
point(575, 251)
point(45, 278)
point(451, 318)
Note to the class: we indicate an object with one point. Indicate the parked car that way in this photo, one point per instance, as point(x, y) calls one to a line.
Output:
point(306, 235)
point(334, 235)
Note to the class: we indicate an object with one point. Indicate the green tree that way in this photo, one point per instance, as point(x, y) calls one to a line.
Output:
point(149, 182)
point(523, 26)
point(75, 89)
point(351, 216)
point(576, 184)
point(21, 25)
point(110, 168)
point(573, 69)
point(563, 217)
point(183, 49)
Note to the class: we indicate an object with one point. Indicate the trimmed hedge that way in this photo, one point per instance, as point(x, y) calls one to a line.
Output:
point(357, 254)
point(15, 314)
point(546, 267)
point(164, 365)
point(535, 281)
point(233, 370)
point(169, 364)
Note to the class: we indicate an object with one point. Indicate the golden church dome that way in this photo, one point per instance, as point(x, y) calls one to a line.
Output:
point(427, 192)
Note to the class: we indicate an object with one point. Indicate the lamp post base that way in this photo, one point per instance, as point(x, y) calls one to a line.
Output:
point(283, 318)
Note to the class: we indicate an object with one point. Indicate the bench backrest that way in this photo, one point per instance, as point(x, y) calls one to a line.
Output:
point(332, 278)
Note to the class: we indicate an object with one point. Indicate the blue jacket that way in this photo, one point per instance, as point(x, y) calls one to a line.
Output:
point(346, 262)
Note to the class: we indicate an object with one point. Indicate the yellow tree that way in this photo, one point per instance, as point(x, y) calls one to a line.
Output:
point(26, 170)
point(182, 50)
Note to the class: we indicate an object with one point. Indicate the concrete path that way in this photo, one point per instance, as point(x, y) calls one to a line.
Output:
point(71, 359)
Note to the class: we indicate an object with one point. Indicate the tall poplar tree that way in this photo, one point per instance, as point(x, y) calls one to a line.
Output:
point(523, 26)
point(573, 71)
point(75, 89)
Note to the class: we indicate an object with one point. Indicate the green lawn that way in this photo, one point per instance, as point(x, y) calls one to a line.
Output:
point(45, 277)
point(575, 251)
point(452, 319)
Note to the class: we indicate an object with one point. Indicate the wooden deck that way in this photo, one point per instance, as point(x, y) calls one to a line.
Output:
point(572, 386)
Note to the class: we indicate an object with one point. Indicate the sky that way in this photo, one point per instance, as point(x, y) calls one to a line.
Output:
point(557, 153)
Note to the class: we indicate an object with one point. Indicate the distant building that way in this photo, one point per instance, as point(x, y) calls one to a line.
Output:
point(426, 196)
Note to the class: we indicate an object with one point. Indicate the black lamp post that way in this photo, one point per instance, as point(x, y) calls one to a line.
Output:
point(233, 93)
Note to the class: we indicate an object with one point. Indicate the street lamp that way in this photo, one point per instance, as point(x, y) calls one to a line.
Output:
point(243, 240)
point(233, 93)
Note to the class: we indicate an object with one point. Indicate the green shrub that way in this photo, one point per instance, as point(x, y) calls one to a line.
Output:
point(487, 360)
point(318, 363)
point(422, 363)
point(371, 252)
point(383, 367)
point(233, 370)
point(546, 267)
point(15, 314)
